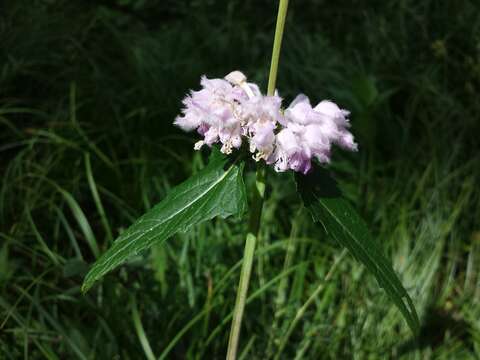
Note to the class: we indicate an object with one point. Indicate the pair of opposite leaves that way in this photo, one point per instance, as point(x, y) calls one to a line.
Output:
point(219, 190)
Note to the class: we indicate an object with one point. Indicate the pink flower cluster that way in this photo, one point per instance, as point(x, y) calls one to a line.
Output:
point(229, 110)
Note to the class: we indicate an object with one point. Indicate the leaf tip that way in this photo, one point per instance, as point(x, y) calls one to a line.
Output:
point(84, 289)
point(87, 284)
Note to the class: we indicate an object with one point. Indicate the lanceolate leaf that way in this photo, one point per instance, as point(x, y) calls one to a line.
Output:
point(322, 197)
point(217, 190)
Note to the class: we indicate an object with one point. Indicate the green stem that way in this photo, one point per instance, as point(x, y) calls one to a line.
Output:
point(277, 44)
point(257, 202)
point(248, 254)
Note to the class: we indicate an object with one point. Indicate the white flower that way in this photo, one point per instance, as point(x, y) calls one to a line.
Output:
point(226, 110)
point(215, 112)
point(261, 114)
point(309, 133)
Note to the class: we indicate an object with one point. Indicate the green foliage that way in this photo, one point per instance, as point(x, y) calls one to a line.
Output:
point(414, 180)
point(324, 200)
point(217, 190)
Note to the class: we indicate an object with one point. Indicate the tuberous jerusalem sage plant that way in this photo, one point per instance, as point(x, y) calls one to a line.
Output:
point(227, 113)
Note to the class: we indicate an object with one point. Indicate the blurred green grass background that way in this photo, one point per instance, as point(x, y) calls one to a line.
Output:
point(88, 93)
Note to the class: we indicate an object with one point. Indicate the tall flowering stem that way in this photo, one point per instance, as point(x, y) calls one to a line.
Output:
point(257, 201)
point(277, 44)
